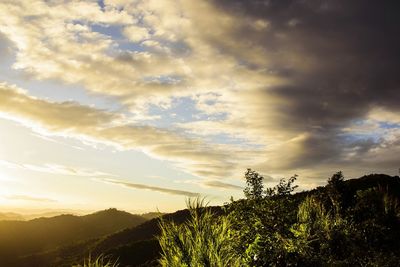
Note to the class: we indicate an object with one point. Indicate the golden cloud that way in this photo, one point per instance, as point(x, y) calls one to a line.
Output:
point(75, 120)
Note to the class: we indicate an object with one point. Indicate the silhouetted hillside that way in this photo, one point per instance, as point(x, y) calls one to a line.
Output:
point(138, 246)
point(152, 215)
point(140, 241)
point(20, 238)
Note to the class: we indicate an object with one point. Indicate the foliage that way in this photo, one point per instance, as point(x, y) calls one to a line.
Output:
point(336, 179)
point(337, 225)
point(360, 235)
point(255, 187)
point(284, 187)
point(100, 261)
point(261, 224)
point(203, 240)
point(320, 235)
point(335, 192)
point(345, 223)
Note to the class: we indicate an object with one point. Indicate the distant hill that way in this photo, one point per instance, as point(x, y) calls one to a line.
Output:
point(152, 215)
point(11, 216)
point(134, 246)
point(138, 246)
point(48, 214)
point(24, 216)
point(21, 238)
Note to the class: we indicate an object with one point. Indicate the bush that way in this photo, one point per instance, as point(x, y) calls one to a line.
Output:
point(203, 240)
point(100, 261)
point(335, 225)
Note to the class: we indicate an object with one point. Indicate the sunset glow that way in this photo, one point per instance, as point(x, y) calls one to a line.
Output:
point(140, 104)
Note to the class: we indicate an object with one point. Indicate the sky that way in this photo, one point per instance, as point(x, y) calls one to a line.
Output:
point(141, 104)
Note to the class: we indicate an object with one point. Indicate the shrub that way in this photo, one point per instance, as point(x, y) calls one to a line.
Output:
point(203, 240)
point(100, 261)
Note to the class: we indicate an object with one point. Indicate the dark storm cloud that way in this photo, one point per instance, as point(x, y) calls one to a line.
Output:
point(341, 59)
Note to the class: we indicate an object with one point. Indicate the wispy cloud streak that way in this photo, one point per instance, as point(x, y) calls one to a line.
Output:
point(54, 169)
point(222, 185)
point(152, 188)
point(30, 198)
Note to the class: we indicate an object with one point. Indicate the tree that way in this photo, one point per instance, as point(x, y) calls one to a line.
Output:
point(336, 190)
point(336, 179)
point(255, 187)
point(284, 187)
point(260, 223)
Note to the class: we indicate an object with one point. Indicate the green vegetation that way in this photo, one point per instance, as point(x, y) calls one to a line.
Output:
point(336, 225)
point(203, 240)
point(345, 223)
point(100, 261)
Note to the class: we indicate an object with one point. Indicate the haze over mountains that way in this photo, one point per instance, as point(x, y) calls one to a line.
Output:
point(19, 238)
point(24, 216)
point(11, 216)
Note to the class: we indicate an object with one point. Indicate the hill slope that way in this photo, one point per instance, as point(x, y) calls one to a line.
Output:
point(133, 246)
point(20, 238)
point(138, 246)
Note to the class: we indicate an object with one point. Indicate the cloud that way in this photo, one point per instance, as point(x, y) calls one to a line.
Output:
point(136, 34)
point(210, 184)
point(54, 169)
point(87, 123)
point(68, 41)
point(152, 188)
point(30, 198)
point(383, 115)
point(331, 71)
point(65, 116)
point(221, 185)
point(296, 84)
point(332, 76)
point(9, 164)
point(64, 170)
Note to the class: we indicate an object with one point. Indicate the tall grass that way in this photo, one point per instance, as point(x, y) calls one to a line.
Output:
point(100, 261)
point(203, 240)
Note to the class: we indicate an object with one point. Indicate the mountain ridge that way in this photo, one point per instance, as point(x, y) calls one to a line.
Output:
point(20, 238)
point(138, 246)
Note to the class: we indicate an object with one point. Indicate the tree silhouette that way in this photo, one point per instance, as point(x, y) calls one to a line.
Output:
point(255, 186)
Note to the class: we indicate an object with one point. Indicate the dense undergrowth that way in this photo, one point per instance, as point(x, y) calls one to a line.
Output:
point(345, 223)
point(335, 225)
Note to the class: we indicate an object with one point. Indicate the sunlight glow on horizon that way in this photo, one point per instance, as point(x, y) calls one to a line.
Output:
point(170, 99)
